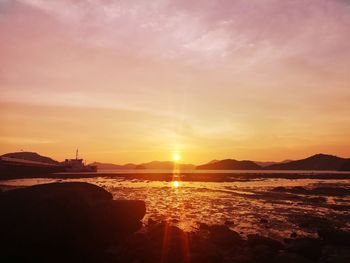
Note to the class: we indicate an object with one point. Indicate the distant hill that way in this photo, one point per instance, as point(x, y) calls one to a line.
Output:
point(150, 165)
point(166, 165)
point(316, 162)
point(264, 164)
point(111, 166)
point(214, 161)
point(30, 156)
point(229, 164)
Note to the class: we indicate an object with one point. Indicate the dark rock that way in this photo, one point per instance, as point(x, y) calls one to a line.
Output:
point(203, 226)
point(58, 191)
point(294, 190)
point(335, 236)
point(298, 190)
point(208, 256)
point(202, 250)
point(257, 240)
point(137, 248)
point(290, 258)
point(287, 240)
point(151, 222)
point(293, 235)
point(263, 253)
point(222, 236)
point(229, 223)
point(279, 189)
point(316, 200)
point(330, 191)
point(339, 207)
point(336, 254)
point(68, 220)
point(307, 247)
point(311, 221)
point(168, 243)
point(263, 221)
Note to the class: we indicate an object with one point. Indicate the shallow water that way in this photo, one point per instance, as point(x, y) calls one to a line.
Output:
point(241, 204)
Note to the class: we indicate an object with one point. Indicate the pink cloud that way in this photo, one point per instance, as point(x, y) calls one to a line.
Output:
point(266, 29)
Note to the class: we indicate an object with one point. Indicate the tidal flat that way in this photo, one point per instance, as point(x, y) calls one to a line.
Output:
point(289, 216)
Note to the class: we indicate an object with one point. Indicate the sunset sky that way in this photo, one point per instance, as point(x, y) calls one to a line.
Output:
point(135, 80)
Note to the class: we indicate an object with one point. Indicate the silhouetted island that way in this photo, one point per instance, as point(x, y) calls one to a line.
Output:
point(316, 162)
point(229, 164)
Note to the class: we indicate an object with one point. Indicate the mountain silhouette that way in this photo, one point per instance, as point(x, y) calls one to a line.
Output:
point(316, 162)
point(30, 156)
point(166, 165)
point(264, 164)
point(111, 166)
point(229, 164)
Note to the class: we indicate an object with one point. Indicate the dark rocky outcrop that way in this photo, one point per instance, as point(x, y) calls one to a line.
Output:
point(335, 236)
point(223, 236)
point(257, 240)
point(64, 220)
point(309, 248)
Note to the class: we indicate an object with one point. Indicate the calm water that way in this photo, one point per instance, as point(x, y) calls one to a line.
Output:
point(244, 203)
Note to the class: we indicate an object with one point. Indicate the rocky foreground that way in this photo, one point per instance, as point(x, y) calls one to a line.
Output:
point(80, 222)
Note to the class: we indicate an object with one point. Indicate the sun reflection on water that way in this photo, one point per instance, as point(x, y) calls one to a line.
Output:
point(175, 184)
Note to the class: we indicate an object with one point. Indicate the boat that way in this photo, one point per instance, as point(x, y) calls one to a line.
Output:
point(78, 165)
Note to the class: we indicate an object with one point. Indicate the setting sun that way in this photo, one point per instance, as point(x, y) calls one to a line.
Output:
point(176, 157)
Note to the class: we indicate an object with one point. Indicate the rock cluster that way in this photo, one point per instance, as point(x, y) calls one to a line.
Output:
point(163, 242)
point(64, 222)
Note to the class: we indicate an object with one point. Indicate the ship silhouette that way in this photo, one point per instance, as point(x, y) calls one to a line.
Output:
point(78, 165)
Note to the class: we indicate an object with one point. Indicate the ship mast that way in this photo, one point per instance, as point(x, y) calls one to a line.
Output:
point(76, 154)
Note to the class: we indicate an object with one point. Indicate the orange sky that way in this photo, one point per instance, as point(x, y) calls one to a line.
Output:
point(127, 81)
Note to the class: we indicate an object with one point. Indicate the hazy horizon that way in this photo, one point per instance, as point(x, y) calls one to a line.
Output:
point(130, 81)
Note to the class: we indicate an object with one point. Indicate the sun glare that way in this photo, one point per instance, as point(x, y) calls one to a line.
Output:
point(176, 157)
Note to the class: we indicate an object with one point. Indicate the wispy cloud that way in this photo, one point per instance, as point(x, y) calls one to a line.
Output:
point(226, 72)
point(262, 30)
